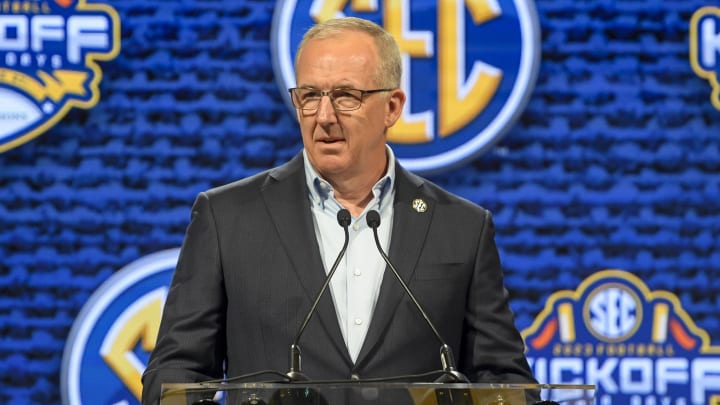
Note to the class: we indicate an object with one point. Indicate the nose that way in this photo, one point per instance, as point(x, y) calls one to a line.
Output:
point(326, 111)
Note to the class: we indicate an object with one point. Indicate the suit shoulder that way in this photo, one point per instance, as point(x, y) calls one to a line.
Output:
point(240, 190)
point(251, 187)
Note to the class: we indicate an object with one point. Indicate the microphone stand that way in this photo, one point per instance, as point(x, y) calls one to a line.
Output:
point(450, 372)
point(295, 373)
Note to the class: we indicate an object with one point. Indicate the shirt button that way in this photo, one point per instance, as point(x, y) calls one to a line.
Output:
point(354, 377)
point(357, 272)
point(356, 226)
point(358, 321)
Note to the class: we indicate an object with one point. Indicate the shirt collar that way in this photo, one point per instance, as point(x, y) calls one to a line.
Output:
point(321, 192)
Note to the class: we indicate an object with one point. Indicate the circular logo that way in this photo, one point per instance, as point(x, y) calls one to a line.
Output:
point(613, 312)
point(468, 69)
point(112, 337)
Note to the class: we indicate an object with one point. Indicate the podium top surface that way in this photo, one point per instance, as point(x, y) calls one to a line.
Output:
point(322, 385)
point(375, 393)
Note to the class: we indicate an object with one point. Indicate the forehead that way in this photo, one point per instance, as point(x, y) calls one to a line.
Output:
point(346, 58)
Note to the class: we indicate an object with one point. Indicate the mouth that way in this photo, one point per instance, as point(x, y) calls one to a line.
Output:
point(329, 141)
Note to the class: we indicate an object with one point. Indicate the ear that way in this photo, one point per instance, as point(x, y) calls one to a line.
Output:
point(394, 106)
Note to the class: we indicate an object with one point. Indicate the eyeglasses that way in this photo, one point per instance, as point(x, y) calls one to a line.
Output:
point(308, 99)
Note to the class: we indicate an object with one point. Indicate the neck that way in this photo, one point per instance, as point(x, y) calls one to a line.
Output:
point(354, 203)
point(355, 192)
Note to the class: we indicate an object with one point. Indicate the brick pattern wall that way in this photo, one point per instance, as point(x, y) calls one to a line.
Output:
point(615, 164)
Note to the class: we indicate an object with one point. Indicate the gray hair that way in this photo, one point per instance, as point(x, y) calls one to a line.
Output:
point(389, 71)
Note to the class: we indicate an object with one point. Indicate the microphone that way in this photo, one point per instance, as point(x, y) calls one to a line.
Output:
point(295, 373)
point(450, 373)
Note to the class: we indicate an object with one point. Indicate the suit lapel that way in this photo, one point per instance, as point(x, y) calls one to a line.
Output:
point(285, 194)
point(407, 240)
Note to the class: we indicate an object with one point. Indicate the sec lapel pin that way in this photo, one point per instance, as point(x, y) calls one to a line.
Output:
point(419, 205)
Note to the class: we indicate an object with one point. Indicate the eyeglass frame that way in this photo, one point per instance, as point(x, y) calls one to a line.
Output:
point(328, 93)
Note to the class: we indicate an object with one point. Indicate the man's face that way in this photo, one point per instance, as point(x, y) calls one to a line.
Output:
point(344, 145)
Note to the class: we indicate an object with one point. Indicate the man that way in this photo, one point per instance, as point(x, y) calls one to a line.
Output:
point(255, 250)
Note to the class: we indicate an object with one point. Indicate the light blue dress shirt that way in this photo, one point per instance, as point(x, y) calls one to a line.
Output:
point(356, 283)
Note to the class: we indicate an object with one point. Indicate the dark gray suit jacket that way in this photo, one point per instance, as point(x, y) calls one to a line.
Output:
point(250, 268)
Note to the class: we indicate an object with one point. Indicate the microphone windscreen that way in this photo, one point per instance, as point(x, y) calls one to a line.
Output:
point(373, 219)
point(343, 218)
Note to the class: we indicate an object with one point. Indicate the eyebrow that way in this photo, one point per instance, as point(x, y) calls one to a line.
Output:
point(340, 86)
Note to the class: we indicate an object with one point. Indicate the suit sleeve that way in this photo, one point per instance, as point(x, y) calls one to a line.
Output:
point(191, 341)
point(492, 348)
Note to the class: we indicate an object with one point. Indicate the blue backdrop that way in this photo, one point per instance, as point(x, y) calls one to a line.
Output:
point(614, 164)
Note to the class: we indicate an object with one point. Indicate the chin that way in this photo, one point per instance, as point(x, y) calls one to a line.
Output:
point(331, 167)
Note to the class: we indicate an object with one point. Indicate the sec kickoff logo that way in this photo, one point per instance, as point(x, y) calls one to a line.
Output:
point(48, 54)
point(115, 332)
point(639, 347)
point(468, 68)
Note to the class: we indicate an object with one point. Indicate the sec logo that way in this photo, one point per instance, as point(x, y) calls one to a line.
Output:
point(469, 68)
point(636, 345)
point(614, 312)
point(116, 330)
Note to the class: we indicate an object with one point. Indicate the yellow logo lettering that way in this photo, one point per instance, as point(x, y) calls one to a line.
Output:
point(460, 99)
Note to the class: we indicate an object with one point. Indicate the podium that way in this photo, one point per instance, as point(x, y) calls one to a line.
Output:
point(366, 393)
